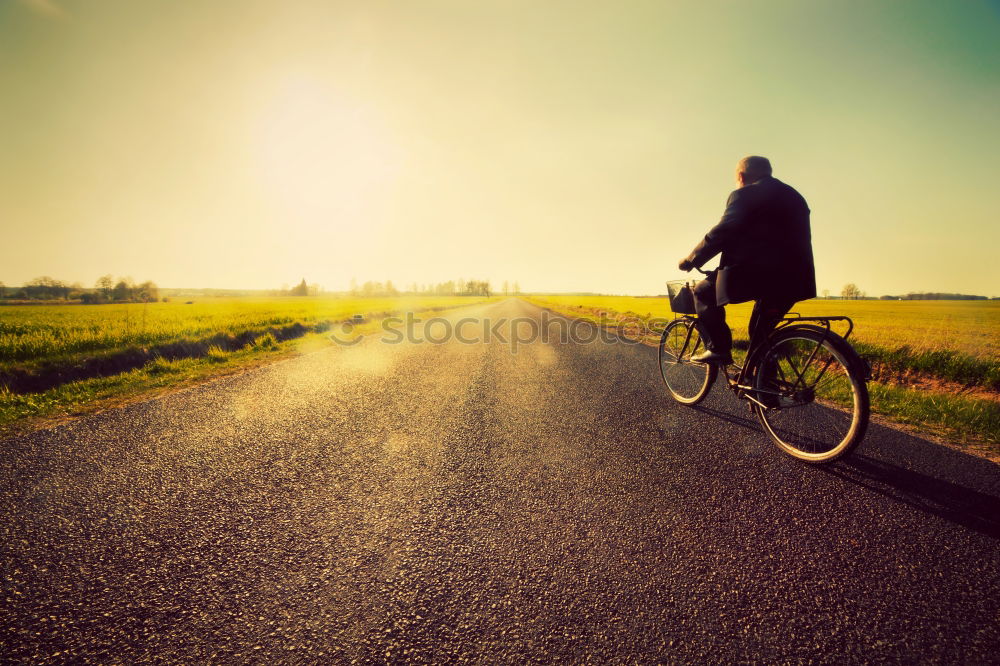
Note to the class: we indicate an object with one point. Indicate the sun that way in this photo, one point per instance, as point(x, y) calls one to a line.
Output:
point(320, 155)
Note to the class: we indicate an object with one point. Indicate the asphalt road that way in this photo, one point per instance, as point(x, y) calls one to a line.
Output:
point(460, 502)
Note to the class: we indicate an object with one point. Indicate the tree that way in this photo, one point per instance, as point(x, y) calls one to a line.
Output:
point(517, 288)
point(105, 284)
point(476, 288)
point(148, 291)
point(851, 291)
point(826, 293)
point(124, 290)
point(506, 288)
point(3, 289)
point(301, 289)
point(46, 287)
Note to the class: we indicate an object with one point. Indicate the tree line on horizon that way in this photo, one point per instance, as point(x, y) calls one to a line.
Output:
point(852, 292)
point(448, 288)
point(376, 288)
point(105, 290)
point(938, 296)
point(125, 290)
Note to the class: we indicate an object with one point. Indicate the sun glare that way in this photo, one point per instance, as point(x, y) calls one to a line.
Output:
point(323, 158)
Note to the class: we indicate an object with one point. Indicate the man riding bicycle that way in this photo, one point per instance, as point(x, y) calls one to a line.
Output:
point(766, 248)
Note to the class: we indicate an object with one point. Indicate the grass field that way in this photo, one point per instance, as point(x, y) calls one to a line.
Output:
point(936, 364)
point(68, 359)
point(971, 328)
point(957, 341)
point(40, 333)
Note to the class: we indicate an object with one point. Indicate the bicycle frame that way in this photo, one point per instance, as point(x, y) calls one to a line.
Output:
point(803, 380)
point(690, 328)
point(740, 386)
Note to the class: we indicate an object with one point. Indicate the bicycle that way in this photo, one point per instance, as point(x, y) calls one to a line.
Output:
point(805, 383)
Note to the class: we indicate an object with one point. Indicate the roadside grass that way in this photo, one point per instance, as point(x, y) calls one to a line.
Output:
point(965, 420)
point(935, 364)
point(247, 333)
point(90, 395)
point(946, 364)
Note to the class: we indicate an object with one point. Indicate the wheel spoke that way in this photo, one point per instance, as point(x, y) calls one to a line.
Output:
point(822, 411)
point(687, 382)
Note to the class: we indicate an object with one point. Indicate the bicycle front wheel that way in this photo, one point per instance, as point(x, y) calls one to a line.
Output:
point(687, 382)
point(814, 392)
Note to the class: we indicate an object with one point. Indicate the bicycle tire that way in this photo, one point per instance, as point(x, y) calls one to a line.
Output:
point(687, 382)
point(817, 395)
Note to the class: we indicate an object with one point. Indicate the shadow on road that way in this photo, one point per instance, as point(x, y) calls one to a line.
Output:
point(750, 422)
point(910, 470)
point(955, 486)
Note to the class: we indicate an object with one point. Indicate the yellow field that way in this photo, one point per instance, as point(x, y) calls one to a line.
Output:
point(31, 333)
point(968, 327)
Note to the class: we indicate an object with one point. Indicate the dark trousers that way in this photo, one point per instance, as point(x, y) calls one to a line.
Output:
point(767, 312)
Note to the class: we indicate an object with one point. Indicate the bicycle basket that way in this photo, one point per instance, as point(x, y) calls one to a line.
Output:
point(681, 297)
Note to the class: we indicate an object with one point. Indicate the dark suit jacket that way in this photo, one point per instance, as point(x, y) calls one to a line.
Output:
point(766, 245)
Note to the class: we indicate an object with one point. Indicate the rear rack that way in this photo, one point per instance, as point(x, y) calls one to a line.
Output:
point(793, 317)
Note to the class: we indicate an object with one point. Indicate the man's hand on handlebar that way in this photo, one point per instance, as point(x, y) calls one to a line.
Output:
point(685, 265)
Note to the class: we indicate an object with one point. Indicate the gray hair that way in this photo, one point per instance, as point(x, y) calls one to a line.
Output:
point(754, 167)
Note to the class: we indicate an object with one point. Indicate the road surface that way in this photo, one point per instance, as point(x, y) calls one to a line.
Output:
point(460, 502)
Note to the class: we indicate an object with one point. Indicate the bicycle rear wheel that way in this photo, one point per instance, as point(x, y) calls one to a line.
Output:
point(687, 382)
point(815, 391)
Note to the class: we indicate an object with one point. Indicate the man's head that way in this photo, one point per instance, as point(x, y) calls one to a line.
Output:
point(751, 169)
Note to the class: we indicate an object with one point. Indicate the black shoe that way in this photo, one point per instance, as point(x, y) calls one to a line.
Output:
point(712, 357)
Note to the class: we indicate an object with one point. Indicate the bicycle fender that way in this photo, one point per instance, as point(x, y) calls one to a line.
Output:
point(857, 363)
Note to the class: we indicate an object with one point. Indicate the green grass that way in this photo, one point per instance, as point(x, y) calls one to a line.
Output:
point(37, 333)
point(81, 397)
point(204, 339)
point(922, 353)
point(961, 419)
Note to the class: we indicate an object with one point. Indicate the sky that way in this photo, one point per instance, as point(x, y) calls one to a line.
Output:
point(568, 145)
